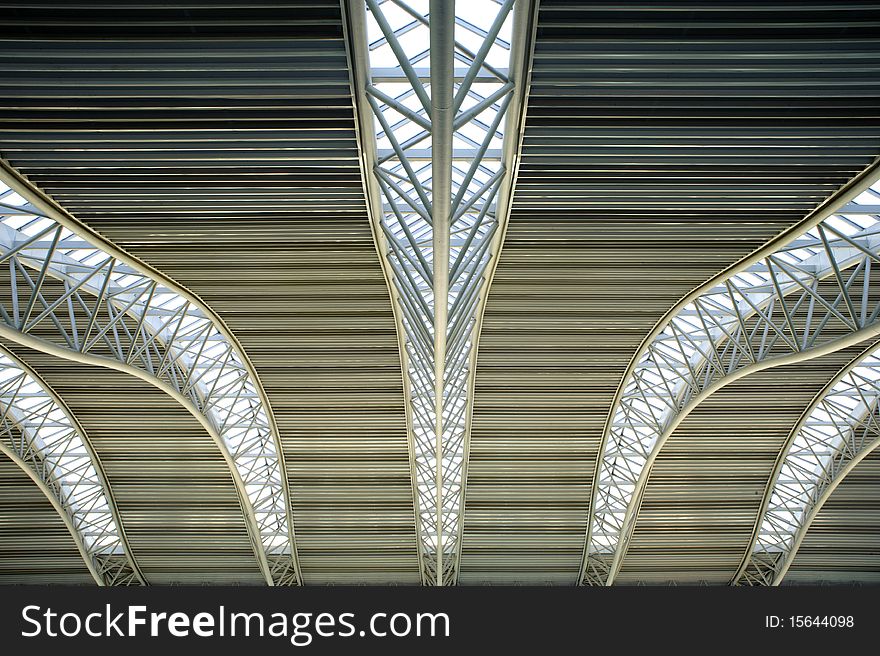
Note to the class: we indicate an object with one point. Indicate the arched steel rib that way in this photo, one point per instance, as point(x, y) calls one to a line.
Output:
point(40, 435)
point(839, 428)
point(67, 287)
point(805, 293)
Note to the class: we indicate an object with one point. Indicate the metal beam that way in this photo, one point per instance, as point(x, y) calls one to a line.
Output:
point(720, 332)
point(442, 29)
point(102, 303)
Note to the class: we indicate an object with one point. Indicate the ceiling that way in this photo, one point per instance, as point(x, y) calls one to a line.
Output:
point(219, 144)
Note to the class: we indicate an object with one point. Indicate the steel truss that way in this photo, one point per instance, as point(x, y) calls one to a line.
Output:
point(67, 292)
point(836, 432)
point(40, 435)
point(813, 291)
point(439, 90)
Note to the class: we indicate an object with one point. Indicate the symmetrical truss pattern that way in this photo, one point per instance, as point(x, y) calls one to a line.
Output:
point(836, 432)
point(437, 91)
point(41, 436)
point(60, 290)
point(800, 297)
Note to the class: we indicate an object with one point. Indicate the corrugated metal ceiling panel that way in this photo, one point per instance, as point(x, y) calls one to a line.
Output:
point(662, 143)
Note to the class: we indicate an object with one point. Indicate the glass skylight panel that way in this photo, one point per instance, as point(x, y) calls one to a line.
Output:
point(399, 95)
point(99, 305)
point(798, 298)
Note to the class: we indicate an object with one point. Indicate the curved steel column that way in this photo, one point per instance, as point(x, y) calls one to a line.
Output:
point(40, 435)
point(806, 293)
point(67, 287)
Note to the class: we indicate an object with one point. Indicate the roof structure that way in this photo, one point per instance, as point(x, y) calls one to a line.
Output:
point(434, 292)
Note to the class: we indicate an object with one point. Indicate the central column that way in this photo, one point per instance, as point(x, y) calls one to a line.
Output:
point(442, 26)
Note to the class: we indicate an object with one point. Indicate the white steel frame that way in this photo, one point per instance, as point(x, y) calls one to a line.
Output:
point(68, 292)
point(809, 292)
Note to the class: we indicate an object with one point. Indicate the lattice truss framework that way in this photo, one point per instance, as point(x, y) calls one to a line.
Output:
point(409, 169)
point(837, 431)
point(42, 438)
point(61, 288)
point(814, 291)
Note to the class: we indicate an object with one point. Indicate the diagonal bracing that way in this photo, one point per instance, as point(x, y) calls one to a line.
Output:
point(808, 293)
point(38, 432)
point(836, 432)
point(440, 94)
point(66, 292)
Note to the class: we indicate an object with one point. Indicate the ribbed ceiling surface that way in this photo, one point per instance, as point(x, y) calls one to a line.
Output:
point(35, 545)
point(662, 143)
point(216, 141)
point(207, 112)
